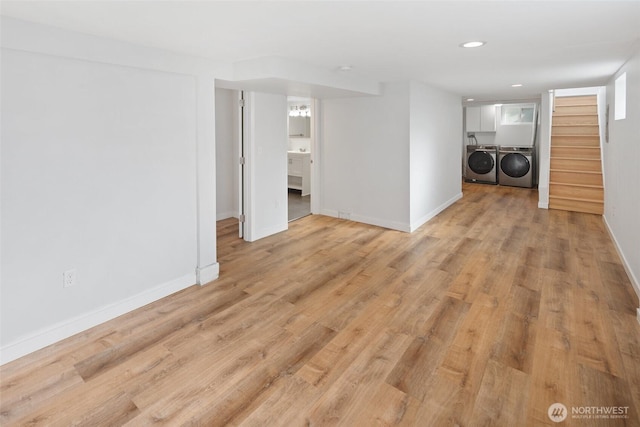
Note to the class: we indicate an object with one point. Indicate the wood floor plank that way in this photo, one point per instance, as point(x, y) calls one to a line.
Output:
point(391, 407)
point(331, 361)
point(595, 341)
point(516, 342)
point(288, 404)
point(351, 395)
point(502, 395)
point(602, 390)
point(427, 350)
point(468, 353)
point(91, 407)
point(21, 394)
point(630, 352)
point(554, 375)
point(484, 316)
point(251, 391)
point(126, 347)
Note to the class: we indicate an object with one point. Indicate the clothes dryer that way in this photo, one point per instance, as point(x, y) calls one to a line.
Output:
point(516, 166)
point(482, 164)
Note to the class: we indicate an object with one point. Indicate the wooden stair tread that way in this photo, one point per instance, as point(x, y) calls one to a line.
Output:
point(575, 171)
point(575, 199)
point(555, 114)
point(575, 101)
point(574, 158)
point(577, 104)
point(581, 147)
point(577, 135)
point(599, 187)
point(564, 125)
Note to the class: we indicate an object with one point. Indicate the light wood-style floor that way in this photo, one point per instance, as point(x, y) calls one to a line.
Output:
point(485, 316)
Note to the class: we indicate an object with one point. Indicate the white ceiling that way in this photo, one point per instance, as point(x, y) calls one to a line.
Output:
point(540, 44)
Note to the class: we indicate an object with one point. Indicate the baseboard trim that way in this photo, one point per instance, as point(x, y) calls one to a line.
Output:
point(436, 211)
point(543, 205)
point(226, 215)
point(67, 328)
point(207, 274)
point(395, 225)
point(632, 278)
point(392, 225)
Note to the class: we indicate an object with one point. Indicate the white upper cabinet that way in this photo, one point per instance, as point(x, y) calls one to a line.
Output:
point(481, 119)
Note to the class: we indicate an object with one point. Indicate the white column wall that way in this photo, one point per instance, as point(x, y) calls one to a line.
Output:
point(365, 158)
point(435, 151)
point(208, 268)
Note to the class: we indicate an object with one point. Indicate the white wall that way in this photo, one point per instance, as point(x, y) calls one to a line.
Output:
point(435, 123)
point(267, 165)
point(365, 158)
point(227, 153)
point(517, 135)
point(299, 144)
point(622, 174)
point(107, 167)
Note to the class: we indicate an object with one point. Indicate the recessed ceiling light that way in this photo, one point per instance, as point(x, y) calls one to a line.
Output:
point(470, 99)
point(516, 85)
point(472, 44)
point(345, 68)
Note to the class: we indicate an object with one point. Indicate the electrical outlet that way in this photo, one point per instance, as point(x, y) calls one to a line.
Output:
point(69, 278)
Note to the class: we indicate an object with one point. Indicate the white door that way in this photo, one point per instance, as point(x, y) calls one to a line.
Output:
point(265, 135)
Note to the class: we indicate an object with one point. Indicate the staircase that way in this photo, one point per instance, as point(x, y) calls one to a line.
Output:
point(575, 179)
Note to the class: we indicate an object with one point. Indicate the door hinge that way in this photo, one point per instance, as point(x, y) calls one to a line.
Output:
point(243, 160)
point(242, 218)
point(241, 103)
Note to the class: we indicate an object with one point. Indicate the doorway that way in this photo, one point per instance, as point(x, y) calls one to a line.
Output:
point(299, 156)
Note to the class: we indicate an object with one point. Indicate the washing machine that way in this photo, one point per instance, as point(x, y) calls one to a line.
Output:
point(482, 164)
point(516, 166)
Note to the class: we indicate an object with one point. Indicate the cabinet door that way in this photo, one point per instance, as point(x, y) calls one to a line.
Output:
point(481, 119)
point(295, 166)
point(488, 118)
point(473, 119)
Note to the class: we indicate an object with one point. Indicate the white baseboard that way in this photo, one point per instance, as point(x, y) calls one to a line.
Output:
point(632, 278)
point(67, 328)
point(225, 215)
point(543, 205)
point(395, 225)
point(392, 225)
point(207, 274)
point(436, 211)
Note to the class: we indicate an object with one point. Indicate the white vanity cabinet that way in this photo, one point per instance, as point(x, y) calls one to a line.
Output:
point(299, 171)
